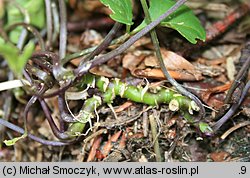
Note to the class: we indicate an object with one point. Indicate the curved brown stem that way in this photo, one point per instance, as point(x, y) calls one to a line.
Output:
point(46, 78)
point(40, 140)
point(64, 113)
point(59, 71)
point(58, 91)
point(232, 110)
point(30, 103)
point(42, 63)
point(55, 130)
point(33, 30)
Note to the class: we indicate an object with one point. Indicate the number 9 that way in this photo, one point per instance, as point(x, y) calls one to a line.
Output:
point(243, 169)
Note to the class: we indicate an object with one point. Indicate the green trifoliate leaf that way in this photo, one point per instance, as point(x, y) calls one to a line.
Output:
point(183, 20)
point(121, 10)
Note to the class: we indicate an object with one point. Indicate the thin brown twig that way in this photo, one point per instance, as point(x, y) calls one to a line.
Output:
point(60, 135)
point(33, 30)
point(232, 129)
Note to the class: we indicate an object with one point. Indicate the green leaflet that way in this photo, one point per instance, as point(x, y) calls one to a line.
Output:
point(183, 20)
point(14, 58)
point(121, 10)
point(109, 89)
point(205, 128)
point(14, 140)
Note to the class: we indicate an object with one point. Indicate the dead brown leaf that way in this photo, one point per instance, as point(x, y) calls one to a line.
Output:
point(100, 71)
point(172, 61)
point(209, 91)
point(158, 74)
point(206, 95)
point(131, 61)
point(219, 156)
point(178, 67)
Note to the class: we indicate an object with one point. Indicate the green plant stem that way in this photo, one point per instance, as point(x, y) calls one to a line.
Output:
point(84, 68)
point(85, 115)
point(162, 65)
point(153, 126)
point(111, 89)
point(78, 54)
point(115, 87)
point(128, 27)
